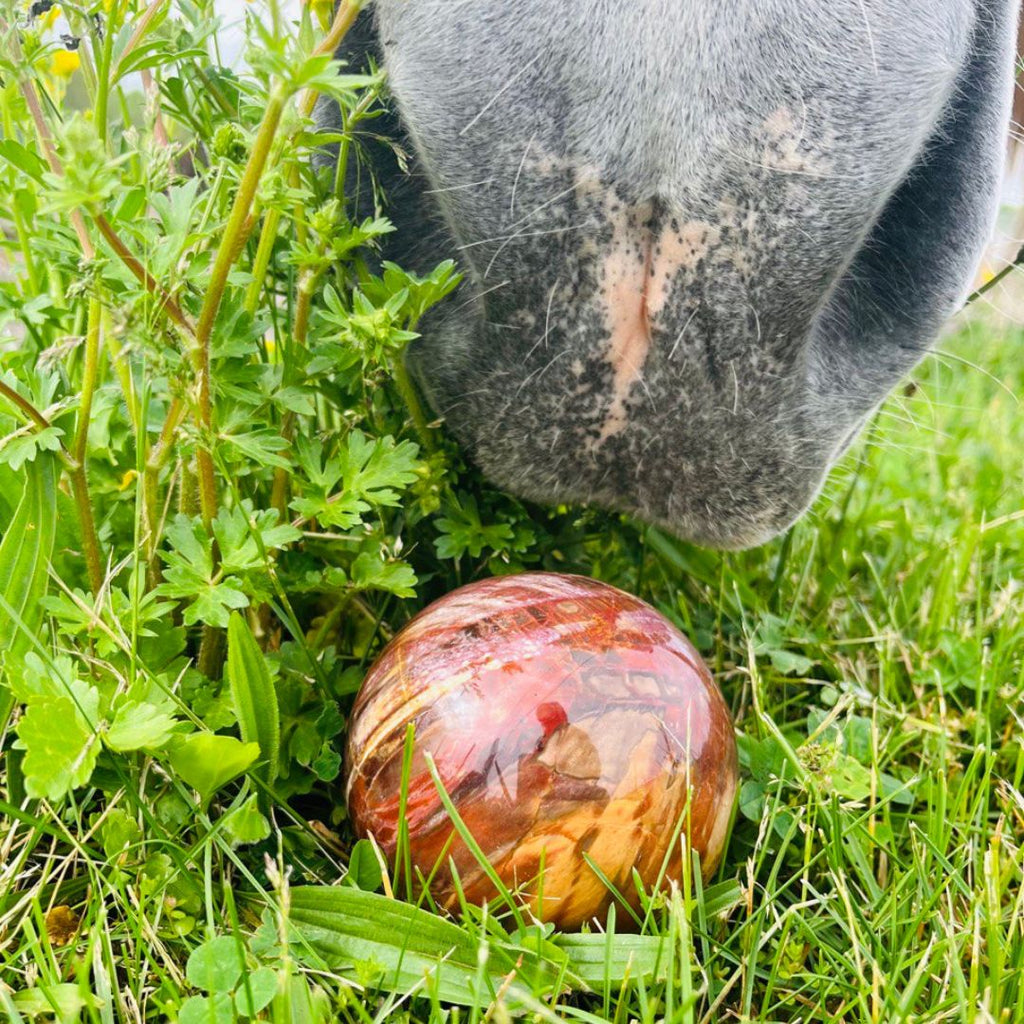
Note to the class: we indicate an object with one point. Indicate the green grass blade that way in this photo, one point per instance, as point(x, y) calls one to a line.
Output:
point(474, 847)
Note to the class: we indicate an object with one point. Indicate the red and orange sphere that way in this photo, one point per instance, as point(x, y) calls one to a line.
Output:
point(568, 721)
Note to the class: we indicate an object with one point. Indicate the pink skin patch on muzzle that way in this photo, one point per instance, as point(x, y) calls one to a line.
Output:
point(636, 275)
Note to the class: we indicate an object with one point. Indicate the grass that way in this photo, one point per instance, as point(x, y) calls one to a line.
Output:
point(172, 841)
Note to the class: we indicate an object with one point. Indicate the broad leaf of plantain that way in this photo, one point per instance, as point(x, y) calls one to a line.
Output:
point(408, 949)
point(25, 553)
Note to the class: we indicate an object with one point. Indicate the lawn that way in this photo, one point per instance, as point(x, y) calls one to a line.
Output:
point(219, 498)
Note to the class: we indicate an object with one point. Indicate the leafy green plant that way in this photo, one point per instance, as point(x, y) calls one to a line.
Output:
point(220, 497)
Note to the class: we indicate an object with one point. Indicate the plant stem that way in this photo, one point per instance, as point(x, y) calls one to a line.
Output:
point(235, 234)
point(329, 621)
point(188, 497)
point(25, 406)
point(50, 152)
point(343, 20)
point(24, 243)
point(151, 505)
point(344, 17)
point(167, 303)
point(140, 30)
point(164, 449)
point(124, 376)
point(1018, 261)
point(300, 330)
point(407, 390)
point(240, 224)
point(211, 652)
point(235, 230)
point(90, 375)
point(100, 115)
point(263, 253)
point(90, 539)
point(79, 478)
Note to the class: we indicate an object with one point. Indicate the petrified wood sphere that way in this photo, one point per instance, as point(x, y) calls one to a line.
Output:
point(567, 720)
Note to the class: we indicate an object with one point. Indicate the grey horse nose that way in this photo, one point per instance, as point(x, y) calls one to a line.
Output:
point(698, 252)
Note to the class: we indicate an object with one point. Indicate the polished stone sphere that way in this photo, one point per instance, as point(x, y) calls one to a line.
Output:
point(569, 722)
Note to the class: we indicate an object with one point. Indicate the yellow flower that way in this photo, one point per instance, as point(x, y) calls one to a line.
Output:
point(64, 63)
point(127, 480)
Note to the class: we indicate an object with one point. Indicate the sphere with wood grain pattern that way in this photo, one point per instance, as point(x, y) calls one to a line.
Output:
point(576, 730)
